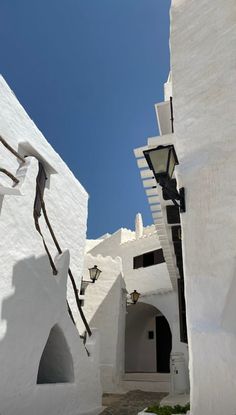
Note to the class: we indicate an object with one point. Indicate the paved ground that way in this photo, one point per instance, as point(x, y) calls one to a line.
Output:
point(130, 403)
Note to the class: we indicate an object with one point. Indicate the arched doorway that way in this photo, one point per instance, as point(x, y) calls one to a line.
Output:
point(148, 340)
point(56, 364)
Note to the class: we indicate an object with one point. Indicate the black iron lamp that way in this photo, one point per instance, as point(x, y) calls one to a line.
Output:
point(94, 273)
point(134, 296)
point(162, 161)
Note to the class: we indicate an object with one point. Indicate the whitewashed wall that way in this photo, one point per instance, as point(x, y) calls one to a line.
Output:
point(152, 282)
point(124, 244)
point(105, 308)
point(167, 304)
point(203, 37)
point(32, 300)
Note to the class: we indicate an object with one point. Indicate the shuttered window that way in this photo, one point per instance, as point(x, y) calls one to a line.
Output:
point(172, 214)
point(138, 262)
point(148, 258)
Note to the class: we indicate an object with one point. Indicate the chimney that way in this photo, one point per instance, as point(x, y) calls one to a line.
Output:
point(138, 226)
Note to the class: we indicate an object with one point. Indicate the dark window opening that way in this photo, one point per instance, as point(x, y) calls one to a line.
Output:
point(172, 214)
point(178, 248)
point(148, 259)
point(176, 233)
point(138, 262)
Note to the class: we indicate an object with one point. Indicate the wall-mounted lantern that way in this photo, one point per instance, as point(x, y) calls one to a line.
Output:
point(162, 161)
point(134, 296)
point(94, 273)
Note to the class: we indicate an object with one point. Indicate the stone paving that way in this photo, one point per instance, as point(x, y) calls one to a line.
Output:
point(130, 403)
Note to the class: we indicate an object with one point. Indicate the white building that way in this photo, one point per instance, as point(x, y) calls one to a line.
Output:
point(149, 331)
point(45, 367)
point(203, 128)
point(203, 72)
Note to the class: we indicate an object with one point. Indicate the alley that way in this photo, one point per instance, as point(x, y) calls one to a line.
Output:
point(130, 403)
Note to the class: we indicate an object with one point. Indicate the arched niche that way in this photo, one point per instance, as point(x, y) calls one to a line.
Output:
point(56, 363)
point(148, 340)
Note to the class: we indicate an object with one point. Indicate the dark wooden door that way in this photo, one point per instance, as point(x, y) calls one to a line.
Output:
point(163, 344)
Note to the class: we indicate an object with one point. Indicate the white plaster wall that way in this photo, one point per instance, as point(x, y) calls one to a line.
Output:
point(32, 299)
point(152, 282)
point(141, 352)
point(203, 36)
point(105, 308)
point(167, 304)
point(144, 280)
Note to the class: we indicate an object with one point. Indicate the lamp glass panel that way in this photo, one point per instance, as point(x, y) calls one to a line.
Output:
point(172, 163)
point(98, 273)
point(159, 160)
point(135, 296)
point(94, 273)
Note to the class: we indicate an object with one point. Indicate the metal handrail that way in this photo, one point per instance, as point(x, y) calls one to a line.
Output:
point(11, 149)
point(38, 190)
point(75, 289)
point(7, 173)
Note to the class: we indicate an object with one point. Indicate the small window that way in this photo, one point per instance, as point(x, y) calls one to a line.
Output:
point(138, 262)
point(158, 257)
point(178, 248)
point(172, 213)
point(148, 258)
point(176, 233)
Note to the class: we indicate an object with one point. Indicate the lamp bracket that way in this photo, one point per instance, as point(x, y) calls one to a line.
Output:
point(174, 194)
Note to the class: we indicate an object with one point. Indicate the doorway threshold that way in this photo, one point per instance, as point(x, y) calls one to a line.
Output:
point(148, 382)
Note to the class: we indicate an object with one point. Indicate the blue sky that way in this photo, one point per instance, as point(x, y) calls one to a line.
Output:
point(88, 72)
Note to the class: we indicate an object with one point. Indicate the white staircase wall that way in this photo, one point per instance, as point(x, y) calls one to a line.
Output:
point(105, 308)
point(33, 300)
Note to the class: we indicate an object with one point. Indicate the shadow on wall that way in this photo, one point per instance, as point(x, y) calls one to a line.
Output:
point(33, 348)
point(1, 201)
point(109, 318)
